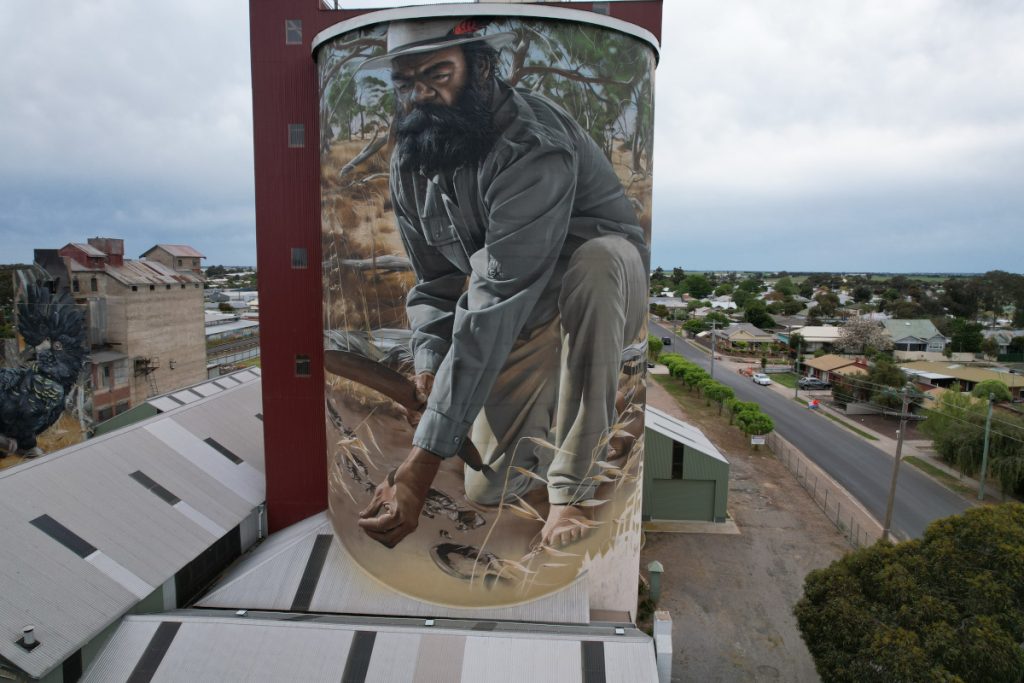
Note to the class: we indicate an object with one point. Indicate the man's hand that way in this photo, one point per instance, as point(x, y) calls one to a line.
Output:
point(394, 511)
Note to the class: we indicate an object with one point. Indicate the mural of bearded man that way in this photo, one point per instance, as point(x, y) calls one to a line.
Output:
point(531, 279)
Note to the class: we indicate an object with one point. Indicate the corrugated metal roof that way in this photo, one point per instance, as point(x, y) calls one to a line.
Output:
point(177, 250)
point(145, 272)
point(274, 647)
point(900, 328)
point(829, 362)
point(87, 249)
point(106, 356)
point(119, 539)
point(680, 431)
point(268, 579)
point(230, 327)
point(964, 372)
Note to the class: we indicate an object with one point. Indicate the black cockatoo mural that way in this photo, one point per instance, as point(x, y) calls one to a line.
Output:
point(32, 397)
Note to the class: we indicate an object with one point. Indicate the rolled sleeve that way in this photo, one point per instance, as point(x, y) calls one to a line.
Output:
point(439, 434)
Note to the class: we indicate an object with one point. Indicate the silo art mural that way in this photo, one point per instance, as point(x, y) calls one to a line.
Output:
point(486, 194)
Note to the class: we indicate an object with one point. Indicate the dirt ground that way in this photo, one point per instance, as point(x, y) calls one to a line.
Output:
point(731, 596)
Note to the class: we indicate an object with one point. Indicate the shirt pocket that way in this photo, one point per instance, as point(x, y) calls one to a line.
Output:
point(441, 234)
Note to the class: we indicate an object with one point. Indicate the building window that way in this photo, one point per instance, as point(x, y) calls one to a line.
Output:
point(183, 286)
point(74, 285)
point(167, 286)
point(296, 135)
point(302, 366)
point(179, 263)
point(135, 288)
point(105, 414)
point(152, 288)
point(300, 258)
point(94, 285)
point(293, 31)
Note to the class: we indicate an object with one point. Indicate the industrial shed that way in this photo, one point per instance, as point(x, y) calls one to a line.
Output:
point(685, 476)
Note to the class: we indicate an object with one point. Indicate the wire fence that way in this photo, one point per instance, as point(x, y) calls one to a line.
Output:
point(839, 507)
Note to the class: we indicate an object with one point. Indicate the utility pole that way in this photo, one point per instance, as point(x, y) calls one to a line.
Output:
point(796, 387)
point(896, 466)
point(714, 326)
point(984, 450)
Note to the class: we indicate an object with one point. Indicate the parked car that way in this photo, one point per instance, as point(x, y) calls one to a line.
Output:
point(666, 341)
point(812, 383)
point(761, 378)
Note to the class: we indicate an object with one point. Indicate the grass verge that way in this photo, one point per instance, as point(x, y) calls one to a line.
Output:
point(786, 379)
point(944, 478)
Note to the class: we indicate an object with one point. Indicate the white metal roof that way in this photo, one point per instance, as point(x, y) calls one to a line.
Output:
point(269, 578)
point(199, 645)
point(680, 431)
point(122, 538)
point(230, 327)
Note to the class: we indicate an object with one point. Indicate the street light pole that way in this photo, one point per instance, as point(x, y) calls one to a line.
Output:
point(896, 466)
point(984, 450)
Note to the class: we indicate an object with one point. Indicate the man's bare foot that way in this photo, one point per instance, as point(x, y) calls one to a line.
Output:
point(565, 524)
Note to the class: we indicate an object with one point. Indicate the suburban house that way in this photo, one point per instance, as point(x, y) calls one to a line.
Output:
point(816, 337)
point(830, 368)
point(743, 336)
point(1003, 338)
point(915, 335)
point(946, 374)
point(725, 302)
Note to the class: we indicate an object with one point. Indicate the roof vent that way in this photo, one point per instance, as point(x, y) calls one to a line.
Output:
point(28, 638)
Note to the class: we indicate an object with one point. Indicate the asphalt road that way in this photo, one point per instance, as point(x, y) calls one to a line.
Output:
point(863, 469)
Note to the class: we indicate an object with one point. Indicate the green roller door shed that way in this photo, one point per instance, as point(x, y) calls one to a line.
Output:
point(685, 476)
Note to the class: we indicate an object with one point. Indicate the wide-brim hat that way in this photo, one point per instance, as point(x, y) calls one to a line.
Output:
point(417, 37)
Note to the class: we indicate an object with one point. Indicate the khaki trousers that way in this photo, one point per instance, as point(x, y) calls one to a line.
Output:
point(551, 407)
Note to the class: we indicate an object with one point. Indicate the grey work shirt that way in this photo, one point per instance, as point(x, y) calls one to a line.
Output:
point(510, 224)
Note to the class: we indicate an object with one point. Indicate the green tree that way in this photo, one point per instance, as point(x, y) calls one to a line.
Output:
point(947, 607)
point(678, 275)
point(660, 310)
point(862, 294)
point(723, 289)
point(1016, 345)
point(693, 376)
point(966, 336)
point(698, 285)
point(992, 386)
point(717, 317)
point(654, 346)
point(756, 314)
point(785, 286)
point(753, 422)
point(741, 296)
point(719, 393)
point(827, 303)
point(695, 326)
point(792, 307)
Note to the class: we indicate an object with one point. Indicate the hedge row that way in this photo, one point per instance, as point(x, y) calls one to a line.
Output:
point(746, 415)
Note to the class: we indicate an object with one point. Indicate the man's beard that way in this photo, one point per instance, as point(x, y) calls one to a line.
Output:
point(435, 137)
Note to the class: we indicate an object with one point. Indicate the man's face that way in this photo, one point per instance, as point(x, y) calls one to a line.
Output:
point(430, 78)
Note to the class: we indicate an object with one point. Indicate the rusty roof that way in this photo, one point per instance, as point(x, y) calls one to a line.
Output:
point(177, 250)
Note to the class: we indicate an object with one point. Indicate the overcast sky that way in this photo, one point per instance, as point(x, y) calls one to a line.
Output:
point(816, 135)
